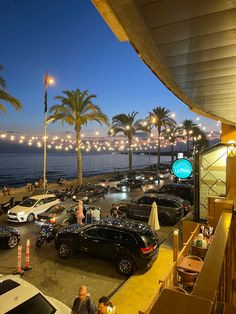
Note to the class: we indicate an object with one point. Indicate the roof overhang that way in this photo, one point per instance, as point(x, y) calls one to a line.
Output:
point(189, 45)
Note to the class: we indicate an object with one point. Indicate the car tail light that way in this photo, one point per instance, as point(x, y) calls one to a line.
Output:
point(52, 220)
point(146, 250)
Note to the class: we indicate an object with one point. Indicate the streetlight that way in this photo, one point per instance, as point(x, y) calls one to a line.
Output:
point(47, 81)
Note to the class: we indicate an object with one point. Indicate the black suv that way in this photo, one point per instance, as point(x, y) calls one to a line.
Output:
point(185, 191)
point(170, 209)
point(131, 244)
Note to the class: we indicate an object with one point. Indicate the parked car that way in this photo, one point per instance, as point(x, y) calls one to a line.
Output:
point(170, 210)
point(57, 214)
point(185, 191)
point(131, 244)
point(19, 296)
point(62, 214)
point(90, 192)
point(9, 237)
point(127, 185)
point(31, 207)
point(109, 183)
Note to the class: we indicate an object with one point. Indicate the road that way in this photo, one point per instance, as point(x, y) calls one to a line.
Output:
point(61, 278)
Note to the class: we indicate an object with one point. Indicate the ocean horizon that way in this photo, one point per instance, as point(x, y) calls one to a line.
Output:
point(17, 169)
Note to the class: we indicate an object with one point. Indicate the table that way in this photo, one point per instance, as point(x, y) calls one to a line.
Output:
point(190, 264)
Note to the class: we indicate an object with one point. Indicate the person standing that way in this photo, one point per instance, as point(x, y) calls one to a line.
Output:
point(79, 213)
point(83, 304)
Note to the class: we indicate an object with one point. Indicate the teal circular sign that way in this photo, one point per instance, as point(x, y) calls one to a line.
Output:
point(182, 168)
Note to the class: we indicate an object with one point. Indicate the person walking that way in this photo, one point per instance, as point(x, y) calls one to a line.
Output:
point(83, 304)
point(105, 306)
point(79, 213)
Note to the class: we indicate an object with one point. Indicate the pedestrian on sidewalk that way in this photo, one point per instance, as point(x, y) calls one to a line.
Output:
point(79, 213)
point(83, 304)
point(105, 306)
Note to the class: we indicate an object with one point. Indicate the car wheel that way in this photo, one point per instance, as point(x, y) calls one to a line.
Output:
point(30, 218)
point(12, 241)
point(164, 220)
point(126, 265)
point(64, 250)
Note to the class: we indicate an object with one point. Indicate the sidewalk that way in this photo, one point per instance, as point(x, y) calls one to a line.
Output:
point(138, 291)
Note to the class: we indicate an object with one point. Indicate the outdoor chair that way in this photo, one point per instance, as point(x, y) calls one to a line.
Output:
point(194, 257)
point(187, 279)
point(199, 251)
point(179, 289)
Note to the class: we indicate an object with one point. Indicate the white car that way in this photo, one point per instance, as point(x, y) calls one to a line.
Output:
point(31, 207)
point(18, 296)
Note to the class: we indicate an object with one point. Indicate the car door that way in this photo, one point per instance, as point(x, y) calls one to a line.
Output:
point(92, 240)
point(111, 245)
point(141, 208)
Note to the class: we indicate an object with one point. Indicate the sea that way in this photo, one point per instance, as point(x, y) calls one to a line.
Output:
point(17, 169)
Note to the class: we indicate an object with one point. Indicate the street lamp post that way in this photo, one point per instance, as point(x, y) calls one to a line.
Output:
point(47, 81)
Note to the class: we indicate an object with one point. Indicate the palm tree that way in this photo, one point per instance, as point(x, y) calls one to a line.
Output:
point(188, 127)
point(160, 118)
point(77, 109)
point(126, 124)
point(200, 140)
point(172, 134)
point(7, 97)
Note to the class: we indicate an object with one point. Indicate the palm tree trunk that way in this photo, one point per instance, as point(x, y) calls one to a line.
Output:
point(187, 145)
point(172, 152)
point(79, 160)
point(130, 156)
point(159, 148)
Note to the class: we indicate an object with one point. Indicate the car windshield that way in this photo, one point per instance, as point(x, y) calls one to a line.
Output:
point(35, 305)
point(29, 202)
point(57, 209)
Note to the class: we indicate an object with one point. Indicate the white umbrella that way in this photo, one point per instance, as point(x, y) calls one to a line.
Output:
point(153, 221)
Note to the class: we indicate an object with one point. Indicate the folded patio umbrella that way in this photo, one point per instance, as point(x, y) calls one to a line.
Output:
point(153, 221)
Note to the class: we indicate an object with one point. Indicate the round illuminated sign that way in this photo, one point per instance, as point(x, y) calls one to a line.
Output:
point(182, 168)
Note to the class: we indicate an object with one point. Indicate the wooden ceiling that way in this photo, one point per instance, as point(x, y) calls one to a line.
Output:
point(190, 45)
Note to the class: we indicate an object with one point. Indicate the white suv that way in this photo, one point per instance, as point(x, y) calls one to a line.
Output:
point(31, 207)
point(19, 296)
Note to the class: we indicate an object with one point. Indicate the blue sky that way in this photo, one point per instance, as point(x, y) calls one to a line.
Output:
point(72, 41)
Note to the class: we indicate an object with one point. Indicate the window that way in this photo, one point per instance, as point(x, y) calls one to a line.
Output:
point(127, 238)
point(56, 209)
point(149, 238)
point(35, 305)
point(50, 199)
point(145, 200)
point(95, 233)
point(29, 202)
point(7, 285)
point(112, 235)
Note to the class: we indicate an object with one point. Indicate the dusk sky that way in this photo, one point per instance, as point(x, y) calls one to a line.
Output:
point(72, 41)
